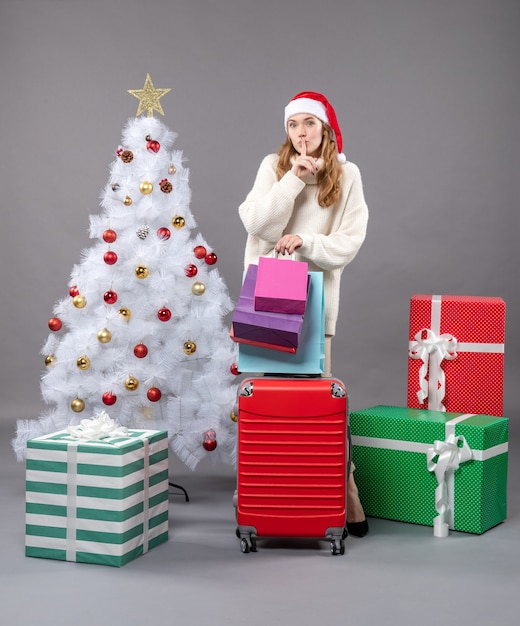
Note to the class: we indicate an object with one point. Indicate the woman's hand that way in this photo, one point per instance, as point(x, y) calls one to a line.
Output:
point(288, 244)
point(304, 163)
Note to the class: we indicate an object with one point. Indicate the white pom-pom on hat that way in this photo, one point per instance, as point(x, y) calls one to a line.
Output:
point(316, 104)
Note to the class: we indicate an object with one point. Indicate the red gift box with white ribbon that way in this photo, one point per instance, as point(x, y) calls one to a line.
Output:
point(456, 354)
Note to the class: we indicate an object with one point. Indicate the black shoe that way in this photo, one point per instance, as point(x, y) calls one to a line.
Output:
point(357, 529)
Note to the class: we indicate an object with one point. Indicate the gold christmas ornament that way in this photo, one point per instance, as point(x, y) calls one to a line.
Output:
point(149, 98)
point(131, 383)
point(141, 271)
point(233, 416)
point(127, 201)
point(125, 313)
point(146, 187)
point(83, 363)
point(198, 289)
point(77, 405)
point(50, 359)
point(172, 169)
point(178, 222)
point(104, 335)
point(190, 347)
point(79, 301)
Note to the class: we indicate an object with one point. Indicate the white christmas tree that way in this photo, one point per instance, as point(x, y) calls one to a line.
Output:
point(142, 333)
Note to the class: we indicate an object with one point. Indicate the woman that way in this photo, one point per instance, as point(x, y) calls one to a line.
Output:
point(308, 200)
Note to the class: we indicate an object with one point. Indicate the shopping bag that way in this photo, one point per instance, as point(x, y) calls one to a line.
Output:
point(310, 356)
point(261, 344)
point(280, 329)
point(281, 285)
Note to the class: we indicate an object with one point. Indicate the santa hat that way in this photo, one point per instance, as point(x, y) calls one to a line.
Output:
point(316, 104)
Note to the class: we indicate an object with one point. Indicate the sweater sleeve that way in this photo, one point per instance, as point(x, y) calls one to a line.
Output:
point(338, 249)
point(269, 205)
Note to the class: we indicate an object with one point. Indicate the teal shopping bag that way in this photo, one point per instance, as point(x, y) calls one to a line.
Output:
point(310, 357)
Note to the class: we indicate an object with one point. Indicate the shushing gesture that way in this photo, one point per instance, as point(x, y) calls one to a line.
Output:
point(304, 163)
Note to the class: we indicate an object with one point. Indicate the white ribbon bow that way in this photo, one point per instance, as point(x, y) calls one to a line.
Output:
point(100, 427)
point(449, 456)
point(432, 350)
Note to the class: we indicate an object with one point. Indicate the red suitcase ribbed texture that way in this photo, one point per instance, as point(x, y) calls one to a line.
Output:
point(292, 458)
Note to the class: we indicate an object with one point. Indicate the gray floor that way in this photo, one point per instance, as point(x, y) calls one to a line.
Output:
point(398, 574)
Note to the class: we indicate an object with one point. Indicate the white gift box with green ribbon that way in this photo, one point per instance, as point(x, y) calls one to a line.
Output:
point(101, 501)
point(446, 470)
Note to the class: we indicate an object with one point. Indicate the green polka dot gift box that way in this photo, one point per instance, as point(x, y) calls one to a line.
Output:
point(96, 501)
point(440, 469)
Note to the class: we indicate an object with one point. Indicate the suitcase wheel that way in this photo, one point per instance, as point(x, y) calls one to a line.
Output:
point(248, 544)
point(337, 546)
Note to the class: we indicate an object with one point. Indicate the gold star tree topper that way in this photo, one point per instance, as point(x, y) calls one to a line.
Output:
point(149, 98)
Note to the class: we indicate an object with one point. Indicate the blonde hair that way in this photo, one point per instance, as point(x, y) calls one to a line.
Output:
point(329, 176)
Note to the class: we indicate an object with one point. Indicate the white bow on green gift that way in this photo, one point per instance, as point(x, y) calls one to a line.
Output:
point(102, 426)
point(443, 459)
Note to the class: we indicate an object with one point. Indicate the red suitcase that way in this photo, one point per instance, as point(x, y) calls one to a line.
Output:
point(293, 460)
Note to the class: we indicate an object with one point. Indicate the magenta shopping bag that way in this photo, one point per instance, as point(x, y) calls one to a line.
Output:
point(281, 285)
point(266, 327)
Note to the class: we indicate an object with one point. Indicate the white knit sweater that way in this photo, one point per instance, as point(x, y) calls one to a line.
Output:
point(331, 236)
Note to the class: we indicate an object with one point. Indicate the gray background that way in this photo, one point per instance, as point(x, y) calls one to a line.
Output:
point(427, 95)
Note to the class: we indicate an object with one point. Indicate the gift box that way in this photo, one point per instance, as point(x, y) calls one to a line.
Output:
point(101, 501)
point(456, 354)
point(440, 469)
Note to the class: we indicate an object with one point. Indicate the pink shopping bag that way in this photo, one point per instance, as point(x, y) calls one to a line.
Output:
point(281, 286)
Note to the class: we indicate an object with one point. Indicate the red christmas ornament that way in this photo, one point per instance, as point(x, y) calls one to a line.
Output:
point(153, 394)
point(140, 350)
point(110, 297)
point(210, 440)
point(153, 146)
point(163, 233)
point(73, 291)
point(234, 369)
point(164, 314)
point(109, 235)
point(55, 324)
point(200, 252)
point(211, 258)
point(191, 270)
point(110, 257)
point(109, 398)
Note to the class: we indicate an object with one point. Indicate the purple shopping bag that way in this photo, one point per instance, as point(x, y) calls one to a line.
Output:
point(266, 327)
point(281, 285)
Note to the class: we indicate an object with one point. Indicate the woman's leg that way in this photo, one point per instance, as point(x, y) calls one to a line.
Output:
point(356, 520)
